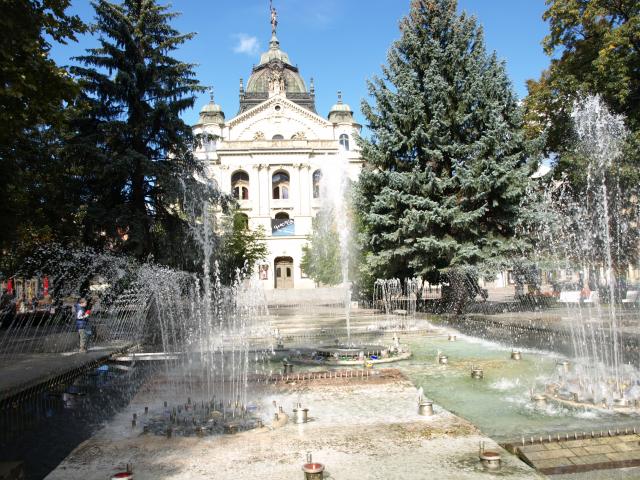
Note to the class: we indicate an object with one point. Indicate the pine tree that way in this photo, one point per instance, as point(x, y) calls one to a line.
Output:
point(137, 150)
point(447, 163)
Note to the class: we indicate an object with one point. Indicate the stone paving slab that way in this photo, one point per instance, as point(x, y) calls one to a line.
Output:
point(582, 455)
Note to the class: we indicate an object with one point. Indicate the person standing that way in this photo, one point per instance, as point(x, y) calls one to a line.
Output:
point(81, 323)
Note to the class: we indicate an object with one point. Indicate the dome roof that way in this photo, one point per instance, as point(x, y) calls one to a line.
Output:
point(340, 111)
point(274, 52)
point(275, 63)
point(275, 75)
point(211, 108)
point(211, 111)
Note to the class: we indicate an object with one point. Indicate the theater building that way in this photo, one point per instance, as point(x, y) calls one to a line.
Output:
point(271, 157)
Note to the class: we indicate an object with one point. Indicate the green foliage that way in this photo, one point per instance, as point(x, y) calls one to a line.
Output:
point(33, 92)
point(136, 150)
point(321, 256)
point(447, 164)
point(596, 45)
point(240, 248)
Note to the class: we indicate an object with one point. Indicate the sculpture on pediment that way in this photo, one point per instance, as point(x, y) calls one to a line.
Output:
point(258, 135)
point(299, 136)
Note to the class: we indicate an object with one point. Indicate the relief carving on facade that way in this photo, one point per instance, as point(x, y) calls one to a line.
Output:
point(258, 135)
point(299, 136)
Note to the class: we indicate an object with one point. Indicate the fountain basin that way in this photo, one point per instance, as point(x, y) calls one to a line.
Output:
point(350, 355)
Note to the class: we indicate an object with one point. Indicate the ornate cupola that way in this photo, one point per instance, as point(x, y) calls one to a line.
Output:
point(211, 113)
point(341, 112)
point(275, 75)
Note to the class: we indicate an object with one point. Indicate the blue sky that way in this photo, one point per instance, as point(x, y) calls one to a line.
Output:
point(340, 43)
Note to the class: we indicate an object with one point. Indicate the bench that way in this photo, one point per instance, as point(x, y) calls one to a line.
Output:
point(569, 296)
point(593, 299)
point(632, 296)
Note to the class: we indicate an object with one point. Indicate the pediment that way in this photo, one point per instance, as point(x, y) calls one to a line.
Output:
point(290, 109)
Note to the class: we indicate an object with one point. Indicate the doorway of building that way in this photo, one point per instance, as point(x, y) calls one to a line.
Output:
point(284, 272)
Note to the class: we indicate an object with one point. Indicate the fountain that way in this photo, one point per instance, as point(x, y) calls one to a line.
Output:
point(581, 235)
point(335, 191)
point(398, 300)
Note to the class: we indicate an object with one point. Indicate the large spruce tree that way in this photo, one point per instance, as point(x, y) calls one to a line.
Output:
point(136, 148)
point(447, 163)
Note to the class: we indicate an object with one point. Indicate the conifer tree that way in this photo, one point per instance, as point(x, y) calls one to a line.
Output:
point(136, 148)
point(447, 164)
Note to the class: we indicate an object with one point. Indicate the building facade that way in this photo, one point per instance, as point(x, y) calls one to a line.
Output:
point(274, 156)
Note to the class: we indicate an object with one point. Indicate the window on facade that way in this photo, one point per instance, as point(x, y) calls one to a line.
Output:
point(240, 185)
point(317, 176)
point(277, 137)
point(282, 216)
point(344, 141)
point(280, 185)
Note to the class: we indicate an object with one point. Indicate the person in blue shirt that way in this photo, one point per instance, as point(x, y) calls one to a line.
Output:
point(82, 321)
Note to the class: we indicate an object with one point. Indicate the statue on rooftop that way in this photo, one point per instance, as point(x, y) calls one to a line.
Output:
point(274, 17)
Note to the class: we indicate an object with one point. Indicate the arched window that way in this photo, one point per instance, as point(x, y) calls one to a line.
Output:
point(280, 185)
point(241, 221)
point(344, 141)
point(240, 185)
point(282, 216)
point(317, 176)
point(277, 137)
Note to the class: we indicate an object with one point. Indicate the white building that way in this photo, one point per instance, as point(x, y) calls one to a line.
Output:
point(271, 156)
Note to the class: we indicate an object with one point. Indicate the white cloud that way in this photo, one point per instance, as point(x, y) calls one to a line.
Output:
point(246, 44)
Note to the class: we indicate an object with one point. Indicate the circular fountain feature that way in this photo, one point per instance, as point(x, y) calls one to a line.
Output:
point(351, 354)
point(200, 420)
point(516, 355)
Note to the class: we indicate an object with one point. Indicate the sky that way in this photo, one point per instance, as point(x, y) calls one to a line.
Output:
point(340, 43)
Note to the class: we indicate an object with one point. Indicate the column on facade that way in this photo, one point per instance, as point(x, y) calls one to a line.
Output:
point(225, 179)
point(256, 189)
point(306, 190)
point(265, 190)
point(296, 193)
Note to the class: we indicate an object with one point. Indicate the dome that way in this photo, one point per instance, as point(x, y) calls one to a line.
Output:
point(211, 112)
point(275, 75)
point(274, 53)
point(211, 108)
point(274, 63)
point(340, 112)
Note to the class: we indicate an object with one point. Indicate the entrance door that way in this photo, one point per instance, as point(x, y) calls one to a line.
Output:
point(284, 272)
